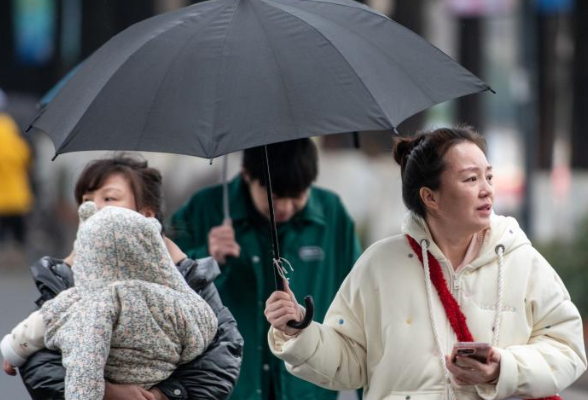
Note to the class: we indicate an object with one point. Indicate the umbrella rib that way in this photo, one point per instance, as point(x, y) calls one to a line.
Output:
point(179, 53)
point(359, 5)
point(219, 74)
point(417, 37)
point(343, 57)
point(366, 8)
point(268, 41)
point(77, 128)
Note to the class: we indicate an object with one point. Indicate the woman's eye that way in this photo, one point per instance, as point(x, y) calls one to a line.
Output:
point(109, 199)
point(490, 178)
point(471, 179)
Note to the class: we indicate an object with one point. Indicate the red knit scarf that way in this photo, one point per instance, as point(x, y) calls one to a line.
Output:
point(456, 317)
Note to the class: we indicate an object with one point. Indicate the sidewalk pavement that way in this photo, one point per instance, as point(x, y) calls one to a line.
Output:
point(579, 390)
point(575, 394)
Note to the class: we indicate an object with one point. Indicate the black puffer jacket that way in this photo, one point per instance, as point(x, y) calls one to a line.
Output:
point(212, 375)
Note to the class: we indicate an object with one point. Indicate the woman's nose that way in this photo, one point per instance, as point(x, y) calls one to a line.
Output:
point(487, 189)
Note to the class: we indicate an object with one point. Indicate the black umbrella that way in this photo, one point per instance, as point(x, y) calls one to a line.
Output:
point(226, 75)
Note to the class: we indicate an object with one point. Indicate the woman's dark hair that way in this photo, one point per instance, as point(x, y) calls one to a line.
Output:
point(145, 182)
point(293, 166)
point(421, 160)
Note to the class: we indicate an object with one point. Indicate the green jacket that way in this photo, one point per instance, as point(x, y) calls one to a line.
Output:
point(319, 242)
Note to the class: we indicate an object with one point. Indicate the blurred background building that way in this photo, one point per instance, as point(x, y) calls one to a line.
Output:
point(533, 53)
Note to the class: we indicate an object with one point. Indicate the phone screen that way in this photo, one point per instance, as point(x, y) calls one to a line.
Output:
point(476, 350)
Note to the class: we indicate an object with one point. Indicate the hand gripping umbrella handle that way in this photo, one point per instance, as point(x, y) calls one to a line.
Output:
point(308, 304)
point(308, 316)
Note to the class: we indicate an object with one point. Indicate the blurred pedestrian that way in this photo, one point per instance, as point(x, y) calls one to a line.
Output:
point(131, 317)
point(316, 236)
point(16, 197)
point(125, 181)
point(459, 273)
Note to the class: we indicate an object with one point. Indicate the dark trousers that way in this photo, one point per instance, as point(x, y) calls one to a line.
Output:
point(15, 225)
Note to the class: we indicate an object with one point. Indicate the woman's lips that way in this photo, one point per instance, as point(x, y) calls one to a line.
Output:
point(485, 209)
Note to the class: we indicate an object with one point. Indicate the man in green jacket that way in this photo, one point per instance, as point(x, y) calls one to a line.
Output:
point(316, 235)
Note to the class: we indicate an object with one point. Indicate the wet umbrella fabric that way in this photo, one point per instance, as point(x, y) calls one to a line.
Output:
point(225, 75)
point(50, 95)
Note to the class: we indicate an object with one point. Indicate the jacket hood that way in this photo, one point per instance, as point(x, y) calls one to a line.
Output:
point(503, 231)
point(118, 244)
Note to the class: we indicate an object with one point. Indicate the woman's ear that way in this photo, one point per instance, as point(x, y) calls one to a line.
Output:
point(429, 199)
point(147, 212)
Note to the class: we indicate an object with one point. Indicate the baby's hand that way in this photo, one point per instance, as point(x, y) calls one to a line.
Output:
point(9, 369)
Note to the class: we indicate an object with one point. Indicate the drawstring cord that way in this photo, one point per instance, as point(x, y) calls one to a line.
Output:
point(282, 271)
point(498, 316)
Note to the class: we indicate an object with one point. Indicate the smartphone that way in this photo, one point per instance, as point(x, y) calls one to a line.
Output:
point(477, 350)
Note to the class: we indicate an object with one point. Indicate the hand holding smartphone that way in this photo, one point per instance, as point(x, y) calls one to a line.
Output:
point(479, 351)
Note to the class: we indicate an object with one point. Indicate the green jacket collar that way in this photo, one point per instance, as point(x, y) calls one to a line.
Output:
point(241, 205)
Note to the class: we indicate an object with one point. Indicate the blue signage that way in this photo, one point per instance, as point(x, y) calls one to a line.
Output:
point(554, 6)
point(34, 31)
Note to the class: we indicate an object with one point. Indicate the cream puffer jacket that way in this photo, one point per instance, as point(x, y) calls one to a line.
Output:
point(378, 332)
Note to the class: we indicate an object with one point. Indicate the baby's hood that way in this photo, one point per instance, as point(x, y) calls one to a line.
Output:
point(118, 244)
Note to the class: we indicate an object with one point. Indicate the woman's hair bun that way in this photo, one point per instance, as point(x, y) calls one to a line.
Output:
point(403, 146)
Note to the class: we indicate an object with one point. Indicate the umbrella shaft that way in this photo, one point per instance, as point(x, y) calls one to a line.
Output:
point(226, 212)
point(273, 229)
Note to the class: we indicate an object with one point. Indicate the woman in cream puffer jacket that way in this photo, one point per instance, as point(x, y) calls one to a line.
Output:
point(387, 330)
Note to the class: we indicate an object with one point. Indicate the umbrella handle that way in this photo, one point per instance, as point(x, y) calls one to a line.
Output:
point(308, 304)
point(308, 316)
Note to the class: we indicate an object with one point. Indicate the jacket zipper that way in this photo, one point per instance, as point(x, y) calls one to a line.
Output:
point(455, 286)
point(453, 281)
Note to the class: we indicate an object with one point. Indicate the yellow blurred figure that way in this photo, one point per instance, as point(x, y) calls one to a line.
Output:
point(16, 198)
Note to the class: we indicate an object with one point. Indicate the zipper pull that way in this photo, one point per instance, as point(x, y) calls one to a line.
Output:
point(455, 284)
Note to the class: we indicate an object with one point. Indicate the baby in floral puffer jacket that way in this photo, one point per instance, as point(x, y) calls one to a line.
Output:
point(131, 317)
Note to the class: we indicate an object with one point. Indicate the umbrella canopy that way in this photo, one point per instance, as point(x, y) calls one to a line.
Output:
point(225, 75)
